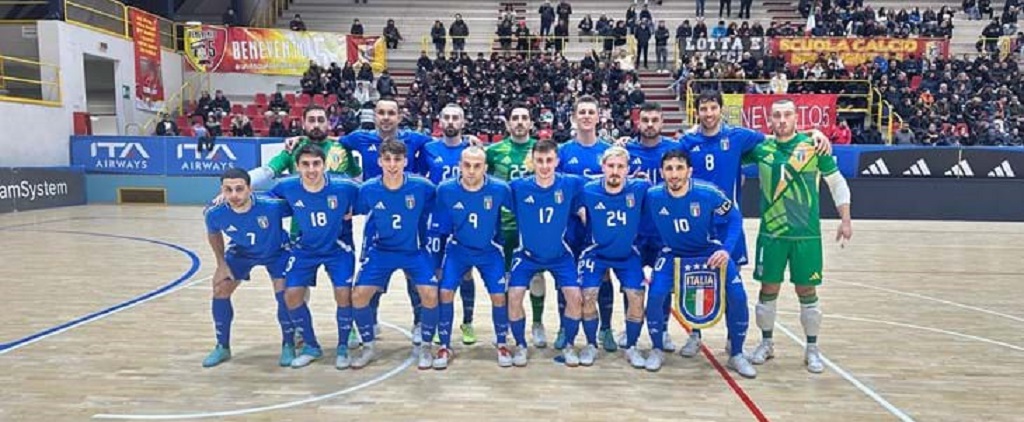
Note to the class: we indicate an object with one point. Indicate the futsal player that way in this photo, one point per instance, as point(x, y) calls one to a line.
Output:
point(253, 225)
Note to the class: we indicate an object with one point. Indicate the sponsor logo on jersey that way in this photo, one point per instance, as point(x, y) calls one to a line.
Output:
point(559, 197)
point(573, 160)
point(663, 211)
point(600, 206)
point(488, 202)
point(410, 201)
point(815, 276)
point(372, 148)
point(332, 201)
point(695, 209)
point(263, 221)
point(459, 206)
point(696, 148)
point(231, 229)
point(299, 204)
point(379, 206)
point(438, 159)
point(529, 199)
point(637, 161)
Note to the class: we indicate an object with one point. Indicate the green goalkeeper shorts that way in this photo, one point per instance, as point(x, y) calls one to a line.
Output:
point(802, 255)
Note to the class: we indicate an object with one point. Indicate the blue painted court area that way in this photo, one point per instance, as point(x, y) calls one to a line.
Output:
point(192, 269)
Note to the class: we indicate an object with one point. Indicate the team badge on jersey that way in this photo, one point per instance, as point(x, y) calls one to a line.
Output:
point(410, 201)
point(724, 144)
point(263, 221)
point(559, 197)
point(488, 202)
point(332, 201)
point(630, 200)
point(700, 291)
point(695, 209)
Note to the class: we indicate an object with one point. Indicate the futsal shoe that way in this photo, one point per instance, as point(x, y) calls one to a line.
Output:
point(219, 355)
point(621, 340)
point(444, 355)
point(742, 366)
point(570, 357)
point(763, 353)
point(666, 343)
point(504, 356)
point(417, 335)
point(367, 355)
point(813, 360)
point(521, 358)
point(354, 340)
point(425, 355)
point(635, 358)
point(468, 334)
point(342, 361)
point(607, 338)
point(588, 355)
point(692, 346)
point(654, 360)
point(287, 355)
point(540, 338)
point(308, 355)
point(560, 340)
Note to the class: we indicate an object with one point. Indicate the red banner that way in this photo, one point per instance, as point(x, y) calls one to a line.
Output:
point(259, 50)
point(813, 111)
point(370, 50)
point(149, 84)
point(856, 51)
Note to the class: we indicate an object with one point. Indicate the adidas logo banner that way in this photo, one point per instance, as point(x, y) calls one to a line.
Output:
point(1003, 170)
point(960, 169)
point(878, 168)
point(919, 168)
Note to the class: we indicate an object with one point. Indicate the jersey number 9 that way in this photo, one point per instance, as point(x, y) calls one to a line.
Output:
point(473, 219)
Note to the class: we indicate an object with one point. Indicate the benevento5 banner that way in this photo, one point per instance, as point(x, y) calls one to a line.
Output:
point(813, 111)
point(259, 50)
point(856, 51)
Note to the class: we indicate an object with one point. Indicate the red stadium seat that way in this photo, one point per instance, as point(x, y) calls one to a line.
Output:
point(261, 99)
point(252, 110)
point(304, 100)
point(225, 124)
point(320, 100)
point(289, 98)
point(332, 99)
point(187, 131)
point(182, 122)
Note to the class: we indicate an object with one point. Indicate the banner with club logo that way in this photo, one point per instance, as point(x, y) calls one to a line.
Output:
point(149, 84)
point(221, 49)
point(856, 51)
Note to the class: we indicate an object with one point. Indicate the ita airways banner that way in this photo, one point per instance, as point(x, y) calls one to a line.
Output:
point(218, 49)
point(149, 84)
point(817, 111)
point(856, 51)
point(370, 50)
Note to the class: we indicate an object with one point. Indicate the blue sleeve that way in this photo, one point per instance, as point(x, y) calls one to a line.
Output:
point(728, 221)
point(278, 190)
point(577, 197)
point(507, 201)
point(211, 225)
point(749, 139)
point(361, 206)
point(284, 208)
point(349, 141)
point(442, 220)
point(421, 164)
point(353, 194)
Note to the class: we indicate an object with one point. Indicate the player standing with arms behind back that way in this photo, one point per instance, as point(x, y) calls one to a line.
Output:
point(790, 172)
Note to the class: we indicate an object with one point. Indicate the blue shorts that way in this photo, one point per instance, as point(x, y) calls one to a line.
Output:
point(663, 279)
point(649, 248)
point(376, 267)
point(563, 270)
point(302, 268)
point(576, 236)
point(460, 260)
point(629, 271)
point(241, 266)
point(436, 245)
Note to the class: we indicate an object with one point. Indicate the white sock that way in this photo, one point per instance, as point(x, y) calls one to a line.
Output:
point(810, 318)
point(764, 313)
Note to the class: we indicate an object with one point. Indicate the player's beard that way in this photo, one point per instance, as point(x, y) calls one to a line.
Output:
point(613, 181)
point(316, 135)
point(650, 133)
point(451, 131)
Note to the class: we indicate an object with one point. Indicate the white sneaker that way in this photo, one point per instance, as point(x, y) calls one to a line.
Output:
point(444, 355)
point(812, 357)
point(654, 360)
point(504, 356)
point(368, 354)
point(425, 355)
point(666, 343)
point(342, 361)
point(692, 346)
point(621, 339)
point(417, 334)
point(569, 355)
point(742, 366)
point(540, 339)
point(521, 358)
point(763, 353)
point(588, 355)
point(635, 358)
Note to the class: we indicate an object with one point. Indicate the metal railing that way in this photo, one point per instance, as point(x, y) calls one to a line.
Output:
point(535, 44)
point(29, 82)
point(175, 104)
point(111, 17)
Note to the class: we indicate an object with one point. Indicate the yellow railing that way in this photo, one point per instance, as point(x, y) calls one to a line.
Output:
point(112, 18)
point(691, 111)
point(535, 45)
point(29, 82)
point(174, 105)
point(885, 117)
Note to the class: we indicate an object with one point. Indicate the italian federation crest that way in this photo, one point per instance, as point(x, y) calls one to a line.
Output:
point(410, 201)
point(559, 197)
point(488, 202)
point(332, 202)
point(700, 291)
point(263, 221)
point(695, 209)
point(630, 200)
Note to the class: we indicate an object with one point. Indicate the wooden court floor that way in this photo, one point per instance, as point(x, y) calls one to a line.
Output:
point(923, 321)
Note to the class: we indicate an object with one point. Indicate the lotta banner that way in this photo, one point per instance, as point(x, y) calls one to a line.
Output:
point(699, 291)
point(814, 111)
point(259, 50)
point(728, 48)
point(856, 51)
point(370, 50)
point(149, 84)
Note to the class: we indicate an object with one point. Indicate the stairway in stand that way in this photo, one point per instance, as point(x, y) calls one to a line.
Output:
point(656, 89)
point(784, 10)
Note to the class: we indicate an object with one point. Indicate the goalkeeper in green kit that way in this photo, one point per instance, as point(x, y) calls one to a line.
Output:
point(789, 175)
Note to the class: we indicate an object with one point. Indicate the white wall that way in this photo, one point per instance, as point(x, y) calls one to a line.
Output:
point(32, 136)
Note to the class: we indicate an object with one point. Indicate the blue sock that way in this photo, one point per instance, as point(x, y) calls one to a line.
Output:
point(375, 304)
point(590, 330)
point(632, 332)
point(429, 322)
point(656, 320)
point(285, 321)
point(571, 327)
point(737, 317)
point(344, 317)
point(519, 331)
point(364, 322)
point(223, 313)
point(500, 316)
point(414, 299)
point(467, 290)
point(446, 315)
point(304, 323)
point(605, 304)
point(667, 310)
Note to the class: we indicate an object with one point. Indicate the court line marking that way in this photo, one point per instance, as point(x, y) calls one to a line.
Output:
point(250, 410)
point(933, 299)
point(103, 313)
point(851, 379)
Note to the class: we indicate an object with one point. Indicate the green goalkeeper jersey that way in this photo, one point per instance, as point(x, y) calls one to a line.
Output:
point(790, 175)
point(339, 159)
point(506, 160)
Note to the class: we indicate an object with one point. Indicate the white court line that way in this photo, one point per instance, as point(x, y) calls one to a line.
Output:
point(380, 378)
point(849, 377)
point(933, 299)
point(102, 316)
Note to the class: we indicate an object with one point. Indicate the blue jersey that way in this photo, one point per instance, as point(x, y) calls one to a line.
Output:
point(543, 213)
point(367, 142)
point(256, 233)
point(687, 225)
point(319, 216)
point(472, 218)
point(614, 219)
point(717, 158)
point(648, 159)
point(575, 158)
point(396, 218)
point(438, 161)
